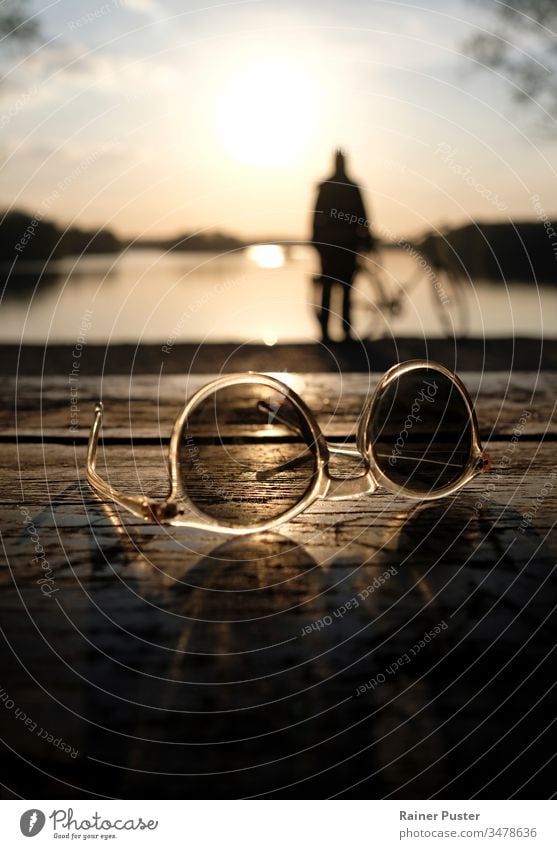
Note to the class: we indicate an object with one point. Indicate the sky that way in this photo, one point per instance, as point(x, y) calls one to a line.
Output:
point(155, 117)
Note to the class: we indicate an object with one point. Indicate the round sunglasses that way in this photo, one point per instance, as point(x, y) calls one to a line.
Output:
point(246, 454)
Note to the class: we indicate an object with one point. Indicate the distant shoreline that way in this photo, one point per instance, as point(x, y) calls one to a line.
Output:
point(506, 252)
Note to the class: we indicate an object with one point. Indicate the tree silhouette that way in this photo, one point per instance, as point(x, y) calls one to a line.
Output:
point(15, 22)
point(522, 45)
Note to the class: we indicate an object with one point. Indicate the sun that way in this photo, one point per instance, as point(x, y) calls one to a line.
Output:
point(267, 112)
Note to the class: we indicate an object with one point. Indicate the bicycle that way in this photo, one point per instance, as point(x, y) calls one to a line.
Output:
point(378, 296)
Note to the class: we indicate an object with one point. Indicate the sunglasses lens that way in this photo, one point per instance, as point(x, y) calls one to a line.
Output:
point(420, 431)
point(247, 455)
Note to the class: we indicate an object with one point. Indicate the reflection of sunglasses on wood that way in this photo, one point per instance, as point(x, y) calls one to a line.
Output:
point(247, 454)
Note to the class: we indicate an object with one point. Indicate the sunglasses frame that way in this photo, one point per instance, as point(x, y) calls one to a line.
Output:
point(178, 510)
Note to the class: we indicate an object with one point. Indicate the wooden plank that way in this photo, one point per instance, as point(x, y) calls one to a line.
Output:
point(176, 662)
point(146, 407)
point(465, 354)
point(50, 482)
point(373, 647)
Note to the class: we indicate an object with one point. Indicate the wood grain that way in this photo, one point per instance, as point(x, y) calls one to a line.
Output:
point(185, 664)
point(146, 406)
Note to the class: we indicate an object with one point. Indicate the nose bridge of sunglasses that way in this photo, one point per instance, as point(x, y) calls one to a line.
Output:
point(348, 473)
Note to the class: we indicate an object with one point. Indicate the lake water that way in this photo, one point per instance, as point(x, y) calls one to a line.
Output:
point(259, 295)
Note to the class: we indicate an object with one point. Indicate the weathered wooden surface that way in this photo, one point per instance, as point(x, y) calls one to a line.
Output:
point(179, 663)
point(145, 407)
point(479, 354)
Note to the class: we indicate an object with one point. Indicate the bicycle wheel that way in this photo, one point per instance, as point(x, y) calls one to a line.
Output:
point(371, 304)
point(448, 294)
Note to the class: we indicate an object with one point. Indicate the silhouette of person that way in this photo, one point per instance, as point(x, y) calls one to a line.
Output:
point(340, 231)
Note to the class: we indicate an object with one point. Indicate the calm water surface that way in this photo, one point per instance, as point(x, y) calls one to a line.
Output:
point(257, 295)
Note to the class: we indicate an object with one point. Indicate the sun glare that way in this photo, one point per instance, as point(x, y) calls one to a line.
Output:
point(266, 256)
point(267, 112)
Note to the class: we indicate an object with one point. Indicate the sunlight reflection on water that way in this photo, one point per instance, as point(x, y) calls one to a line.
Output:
point(264, 295)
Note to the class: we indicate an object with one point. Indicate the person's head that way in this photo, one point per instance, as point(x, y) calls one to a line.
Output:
point(340, 161)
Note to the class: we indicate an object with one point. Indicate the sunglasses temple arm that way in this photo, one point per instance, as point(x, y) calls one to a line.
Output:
point(334, 448)
point(341, 450)
point(274, 415)
point(338, 489)
point(143, 508)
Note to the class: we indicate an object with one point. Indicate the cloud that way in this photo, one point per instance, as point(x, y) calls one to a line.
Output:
point(74, 66)
point(147, 7)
